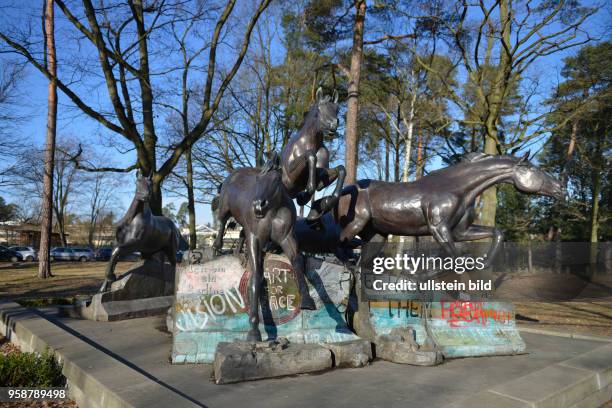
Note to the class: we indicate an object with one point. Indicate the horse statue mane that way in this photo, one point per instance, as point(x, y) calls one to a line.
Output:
point(475, 157)
point(273, 164)
point(478, 157)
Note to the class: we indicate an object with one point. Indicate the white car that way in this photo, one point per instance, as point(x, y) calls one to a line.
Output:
point(29, 254)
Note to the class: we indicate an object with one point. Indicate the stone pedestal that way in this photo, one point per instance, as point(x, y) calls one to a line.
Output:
point(212, 302)
point(400, 346)
point(458, 328)
point(145, 290)
point(352, 353)
point(242, 361)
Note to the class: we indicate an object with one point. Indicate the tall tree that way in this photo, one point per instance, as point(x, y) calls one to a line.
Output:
point(354, 76)
point(133, 60)
point(11, 75)
point(495, 44)
point(580, 150)
point(8, 212)
point(44, 266)
point(67, 181)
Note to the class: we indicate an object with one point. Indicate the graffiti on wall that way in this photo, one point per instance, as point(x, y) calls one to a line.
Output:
point(457, 313)
point(205, 292)
point(400, 309)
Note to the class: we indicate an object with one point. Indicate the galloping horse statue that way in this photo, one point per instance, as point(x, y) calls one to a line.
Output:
point(140, 230)
point(258, 201)
point(305, 160)
point(441, 204)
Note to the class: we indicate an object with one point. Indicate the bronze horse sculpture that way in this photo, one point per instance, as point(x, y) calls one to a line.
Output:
point(258, 201)
point(305, 159)
point(140, 230)
point(441, 204)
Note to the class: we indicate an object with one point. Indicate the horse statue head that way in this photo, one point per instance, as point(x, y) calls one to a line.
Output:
point(532, 180)
point(324, 112)
point(143, 187)
point(268, 190)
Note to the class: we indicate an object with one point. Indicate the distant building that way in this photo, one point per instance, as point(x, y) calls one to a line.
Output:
point(206, 235)
point(16, 234)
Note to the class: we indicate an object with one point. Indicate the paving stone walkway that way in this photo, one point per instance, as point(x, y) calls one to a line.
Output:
point(556, 372)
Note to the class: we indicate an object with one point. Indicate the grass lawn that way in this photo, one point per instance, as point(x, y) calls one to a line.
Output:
point(70, 278)
point(580, 317)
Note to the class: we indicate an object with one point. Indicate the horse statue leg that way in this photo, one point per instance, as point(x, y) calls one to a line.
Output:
point(308, 159)
point(476, 232)
point(240, 243)
point(325, 178)
point(218, 244)
point(110, 268)
point(465, 231)
point(255, 257)
point(290, 249)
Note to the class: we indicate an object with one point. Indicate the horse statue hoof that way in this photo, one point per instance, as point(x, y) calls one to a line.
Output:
point(254, 335)
point(308, 303)
point(320, 207)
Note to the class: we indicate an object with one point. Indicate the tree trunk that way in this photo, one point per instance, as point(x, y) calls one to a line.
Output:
point(387, 151)
point(408, 141)
point(61, 228)
point(570, 153)
point(396, 167)
point(155, 202)
point(489, 197)
point(495, 102)
point(90, 235)
point(352, 114)
point(595, 205)
point(419, 162)
point(44, 266)
point(193, 239)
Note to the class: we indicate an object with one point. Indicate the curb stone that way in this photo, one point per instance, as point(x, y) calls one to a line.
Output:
point(95, 378)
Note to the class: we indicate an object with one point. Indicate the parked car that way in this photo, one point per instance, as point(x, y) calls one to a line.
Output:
point(103, 253)
point(29, 254)
point(7, 254)
point(83, 254)
point(61, 254)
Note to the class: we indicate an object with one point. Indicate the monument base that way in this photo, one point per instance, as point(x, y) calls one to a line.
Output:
point(243, 361)
point(212, 302)
point(400, 346)
point(457, 328)
point(145, 290)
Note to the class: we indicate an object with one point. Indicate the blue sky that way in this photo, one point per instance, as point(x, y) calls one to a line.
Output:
point(33, 104)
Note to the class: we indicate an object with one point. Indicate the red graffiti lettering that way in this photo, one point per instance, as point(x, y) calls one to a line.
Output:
point(458, 312)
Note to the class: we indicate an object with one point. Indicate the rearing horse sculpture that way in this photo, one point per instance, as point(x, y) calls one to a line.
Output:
point(305, 160)
point(440, 204)
point(259, 202)
point(140, 230)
